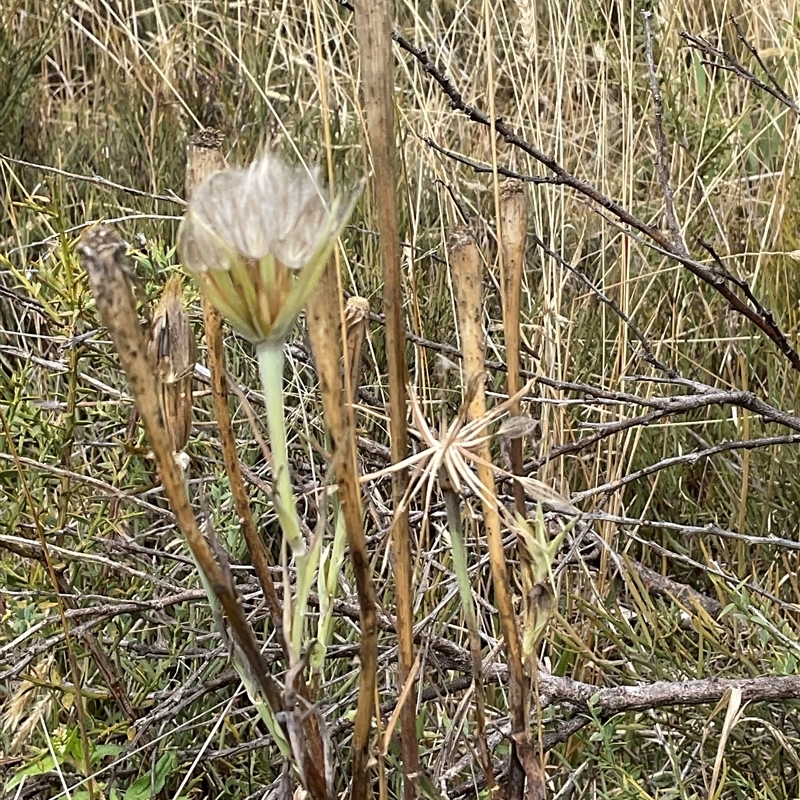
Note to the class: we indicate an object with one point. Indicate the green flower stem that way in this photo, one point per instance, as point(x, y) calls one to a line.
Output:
point(458, 551)
point(270, 363)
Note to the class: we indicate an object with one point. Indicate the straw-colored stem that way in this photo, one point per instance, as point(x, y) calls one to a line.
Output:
point(465, 263)
point(514, 216)
point(324, 319)
point(373, 32)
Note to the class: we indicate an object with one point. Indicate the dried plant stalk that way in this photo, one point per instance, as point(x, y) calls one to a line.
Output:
point(102, 252)
point(465, 265)
point(204, 157)
point(324, 321)
point(173, 354)
point(514, 228)
point(373, 32)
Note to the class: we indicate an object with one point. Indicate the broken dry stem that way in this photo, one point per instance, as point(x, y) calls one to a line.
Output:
point(373, 32)
point(513, 230)
point(324, 317)
point(103, 254)
point(465, 264)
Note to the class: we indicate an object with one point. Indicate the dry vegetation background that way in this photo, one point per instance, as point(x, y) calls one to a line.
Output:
point(114, 88)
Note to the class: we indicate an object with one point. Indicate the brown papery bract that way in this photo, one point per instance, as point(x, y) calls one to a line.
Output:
point(173, 352)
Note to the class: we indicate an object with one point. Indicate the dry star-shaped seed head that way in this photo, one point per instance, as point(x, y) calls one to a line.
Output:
point(451, 458)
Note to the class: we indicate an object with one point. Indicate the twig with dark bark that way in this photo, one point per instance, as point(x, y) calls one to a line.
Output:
point(765, 323)
point(722, 59)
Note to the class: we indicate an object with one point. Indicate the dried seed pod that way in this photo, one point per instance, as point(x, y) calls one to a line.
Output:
point(172, 351)
point(356, 318)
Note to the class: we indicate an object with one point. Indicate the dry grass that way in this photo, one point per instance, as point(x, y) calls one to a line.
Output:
point(98, 89)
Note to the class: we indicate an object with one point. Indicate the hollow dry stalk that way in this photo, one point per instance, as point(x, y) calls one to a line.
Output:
point(324, 328)
point(356, 318)
point(514, 227)
point(373, 32)
point(466, 270)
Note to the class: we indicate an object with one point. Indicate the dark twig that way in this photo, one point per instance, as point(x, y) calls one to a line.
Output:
point(97, 180)
point(487, 168)
point(659, 584)
point(685, 458)
point(667, 407)
point(773, 80)
point(765, 324)
point(732, 64)
point(661, 143)
point(647, 350)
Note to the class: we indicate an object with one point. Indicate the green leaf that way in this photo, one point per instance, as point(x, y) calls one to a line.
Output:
point(42, 764)
point(103, 750)
point(147, 786)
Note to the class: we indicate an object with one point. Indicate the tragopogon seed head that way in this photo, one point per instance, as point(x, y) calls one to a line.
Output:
point(257, 240)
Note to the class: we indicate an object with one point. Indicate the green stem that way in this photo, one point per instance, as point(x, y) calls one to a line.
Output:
point(270, 363)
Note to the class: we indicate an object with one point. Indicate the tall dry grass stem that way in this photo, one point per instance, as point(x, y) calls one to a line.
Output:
point(513, 233)
point(467, 275)
point(373, 32)
point(324, 327)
